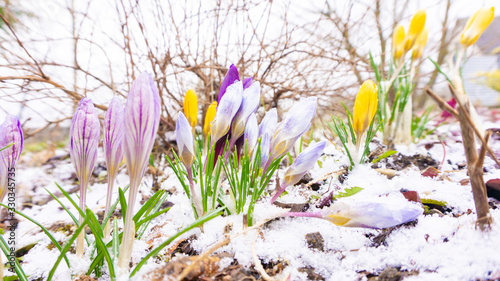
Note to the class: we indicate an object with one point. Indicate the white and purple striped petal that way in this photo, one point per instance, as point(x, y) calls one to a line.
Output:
point(113, 136)
point(3, 177)
point(304, 162)
point(265, 149)
point(84, 140)
point(226, 110)
point(185, 142)
point(11, 133)
point(251, 134)
point(249, 104)
point(269, 122)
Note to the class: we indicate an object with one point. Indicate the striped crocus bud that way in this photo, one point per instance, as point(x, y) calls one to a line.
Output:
point(251, 134)
point(226, 110)
point(191, 107)
point(11, 133)
point(476, 25)
point(265, 148)
point(249, 104)
point(184, 138)
point(296, 122)
point(232, 76)
point(142, 118)
point(113, 136)
point(301, 165)
point(209, 117)
point(84, 140)
point(269, 122)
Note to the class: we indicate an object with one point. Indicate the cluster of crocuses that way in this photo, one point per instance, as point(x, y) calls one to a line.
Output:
point(11, 146)
point(128, 131)
point(231, 131)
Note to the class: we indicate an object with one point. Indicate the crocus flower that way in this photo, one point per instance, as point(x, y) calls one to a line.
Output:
point(302, 164)
point(84, 140)
point(142, 111)
point(265, 148)
point(420, 44)
point(377, 213)
point(232, 76)
point(11, 133)
point(249, 104)
point(247, 82)
point(226, 110)
point(296, 122)
point(112, 144)
point(476, 25)
point(3, 176)
point(209, 117)
point(191, 108)
point(185, 144)
point(398, 42)
point(417, 25)
point(251, 134)
point(269, 122)
point(365, 107)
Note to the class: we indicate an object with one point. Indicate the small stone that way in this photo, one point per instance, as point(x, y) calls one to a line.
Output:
point(390, 274)
point(493, 188)
point(315, 241)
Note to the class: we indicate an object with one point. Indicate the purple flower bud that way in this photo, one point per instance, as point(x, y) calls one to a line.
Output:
point(269, 122)
point(251, 133)
point(226, 110)
point(265, 148)
point(249, 104)
point(11, 133)
point(231, 77)
point(302, 164)
point(378, 213)
point(84, 141)
point(142, 111)
point(247, 82)
point(184, 138)
point(113, 136)
point(296, 122)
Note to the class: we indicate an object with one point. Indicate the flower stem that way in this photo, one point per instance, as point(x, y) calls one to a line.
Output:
point(81, 237)
point(281, 190)
point(194, 197)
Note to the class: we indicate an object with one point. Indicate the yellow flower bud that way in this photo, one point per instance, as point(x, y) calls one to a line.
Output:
point(209, 117)
point(398, 42)
point(420, 44)
point(191, 108)
point(365, 107)
point(417, 25)
point(476, 25)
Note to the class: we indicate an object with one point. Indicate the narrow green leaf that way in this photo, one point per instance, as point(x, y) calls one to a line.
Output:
point(348, 192)
point(17, 268)
point(384, 155)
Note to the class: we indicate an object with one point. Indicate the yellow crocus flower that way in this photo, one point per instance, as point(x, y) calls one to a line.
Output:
point(417, 25)
point(398, 42)
point(209, 117)
point(476, 25)
point(420, 44)
point(191, 108)
point(365, 107)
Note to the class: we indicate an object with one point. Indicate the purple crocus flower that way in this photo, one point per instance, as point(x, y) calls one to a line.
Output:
point(11, 133)
point(112, 143)
point(302, 164)
point(265, 148)
point(247, 82)
point(249, 104)
point(232, 76)
point(226, 110)
point(142, 111)
point(251, 134)
point(296, 122)
point(84, 141)
point(269, 122)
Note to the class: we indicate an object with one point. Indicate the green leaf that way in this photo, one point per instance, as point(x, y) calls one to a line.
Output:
point(97, 231)
point(151, 160)
point(385, 155)
point(17, 268)
point(123, 203)
point(6, 146)
point(433, 202)
point(348, 192)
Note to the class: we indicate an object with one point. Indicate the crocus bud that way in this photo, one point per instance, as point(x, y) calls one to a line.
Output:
point(142, 111)
point(296, 122)
point(226, 110)
point(420, 44)
point(398, 42)
point(84, 140)
point(269, 122)
point(209, 117)
point(251, 134)
point(184, 138)
point(265, 148)
point(232, 76)
point(365, 107)
point(373, 214)
point(247, 82)
point(301, 165)
point(113, 136)
point(11, 133)
point(249, 104)
point(191, 108)
point(417, 25)
point(476, 25)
